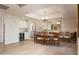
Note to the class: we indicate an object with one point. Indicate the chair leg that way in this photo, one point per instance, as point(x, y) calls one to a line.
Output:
point(51, 42)
point(56, 43)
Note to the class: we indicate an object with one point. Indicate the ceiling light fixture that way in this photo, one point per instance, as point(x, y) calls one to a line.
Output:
point(57, 22)
point(45, 17)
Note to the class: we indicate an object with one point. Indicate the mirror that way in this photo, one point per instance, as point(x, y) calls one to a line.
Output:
point(56, 26)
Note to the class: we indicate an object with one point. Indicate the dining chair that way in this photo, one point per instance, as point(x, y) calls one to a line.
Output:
point(56, 39)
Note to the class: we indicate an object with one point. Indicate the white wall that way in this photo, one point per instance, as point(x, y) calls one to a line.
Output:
point(12, 25)
point(69, 25)
point(1, 30)
point(23, 24)
point(30, 22)
point(1, 25)
point(11, 29)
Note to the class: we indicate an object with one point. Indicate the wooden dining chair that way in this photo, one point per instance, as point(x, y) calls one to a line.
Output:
point(56, 39)
point(67, 36)
point(50, 38)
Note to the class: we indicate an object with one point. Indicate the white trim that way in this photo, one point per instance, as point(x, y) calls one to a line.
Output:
point(11, 42)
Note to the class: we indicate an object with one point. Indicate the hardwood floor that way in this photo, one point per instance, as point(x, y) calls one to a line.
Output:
point(28, 47)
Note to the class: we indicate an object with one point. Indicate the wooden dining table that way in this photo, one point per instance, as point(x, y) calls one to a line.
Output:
point(45, 38)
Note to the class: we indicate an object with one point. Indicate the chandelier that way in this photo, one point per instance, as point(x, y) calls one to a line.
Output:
point(45, 18)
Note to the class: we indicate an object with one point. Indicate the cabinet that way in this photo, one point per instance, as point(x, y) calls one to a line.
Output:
point(21, 36)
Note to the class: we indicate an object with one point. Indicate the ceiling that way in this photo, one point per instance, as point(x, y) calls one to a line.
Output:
point(37, 10)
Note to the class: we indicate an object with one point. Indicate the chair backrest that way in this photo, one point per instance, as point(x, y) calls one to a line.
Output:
point(66, 33)
point(61, 33)
point(55, 34)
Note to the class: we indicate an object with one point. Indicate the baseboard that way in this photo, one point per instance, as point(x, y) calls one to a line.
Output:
point(11, 42)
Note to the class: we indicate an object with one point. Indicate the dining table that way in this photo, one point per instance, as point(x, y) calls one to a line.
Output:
point(46, 38)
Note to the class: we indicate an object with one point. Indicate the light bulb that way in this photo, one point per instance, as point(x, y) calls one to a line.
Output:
point(45, 17)
point(58, 23)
